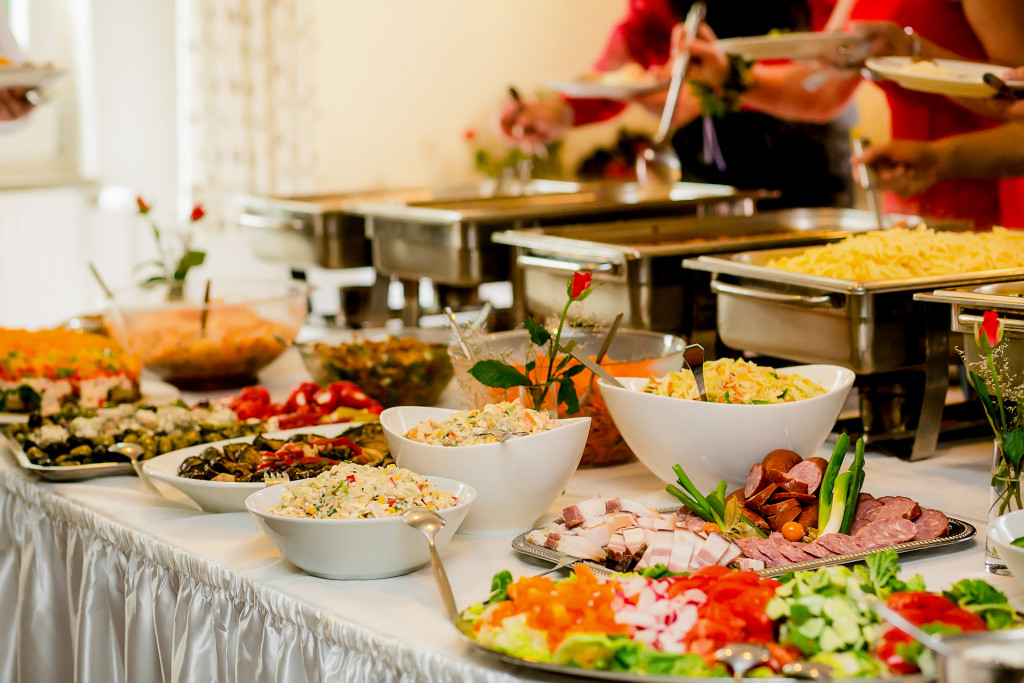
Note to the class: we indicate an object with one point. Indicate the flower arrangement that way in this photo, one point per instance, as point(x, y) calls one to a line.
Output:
point(542, 377)
point(1000, 399)
point(168, 270)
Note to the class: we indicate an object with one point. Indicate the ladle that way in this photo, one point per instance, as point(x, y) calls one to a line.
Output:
point(659, 163)
point(133, 452)
point(742, 657)
point(429, 523)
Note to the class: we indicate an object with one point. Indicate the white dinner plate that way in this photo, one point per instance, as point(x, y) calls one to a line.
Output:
point(153, 391)
point(590, 86)
point(803, 45)
point(26, 76)
point(951, 77)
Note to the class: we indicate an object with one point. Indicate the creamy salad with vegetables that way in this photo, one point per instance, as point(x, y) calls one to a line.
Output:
point(351, 491)
point(494, 422)
point(736, 381)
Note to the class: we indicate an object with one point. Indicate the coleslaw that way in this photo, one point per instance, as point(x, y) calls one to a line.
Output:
point(352, 491)
point(736, 381)
point(494, 422)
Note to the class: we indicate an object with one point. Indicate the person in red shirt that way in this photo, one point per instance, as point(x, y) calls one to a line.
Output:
point(977, 30)
point(808, 163)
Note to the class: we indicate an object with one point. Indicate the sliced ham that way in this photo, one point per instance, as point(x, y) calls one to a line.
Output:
point(930, 524)
point(816, 549)
point(793, 551)
point(895, 506)
point(750, 549)
point(770, 550)
point(885, 532)
point(840, 544)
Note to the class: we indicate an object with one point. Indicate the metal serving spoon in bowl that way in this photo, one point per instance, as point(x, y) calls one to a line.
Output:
point(429, 523)
point(133, 452)
point(693, 359)
point(742, 657)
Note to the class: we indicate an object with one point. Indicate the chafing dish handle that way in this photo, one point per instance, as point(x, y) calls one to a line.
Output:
point(1008, 323)
point(562, 264)
point(821, 301)
point(264, 223)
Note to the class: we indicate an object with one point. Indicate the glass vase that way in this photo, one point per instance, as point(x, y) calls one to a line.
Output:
point(541, 397)
point(1004, 497)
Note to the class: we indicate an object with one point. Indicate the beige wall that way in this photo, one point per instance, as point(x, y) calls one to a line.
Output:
point(399, 82)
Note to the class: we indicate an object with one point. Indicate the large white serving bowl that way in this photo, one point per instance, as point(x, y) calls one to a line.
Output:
point(716, 441)
point(516, 480)
point(1002, 531)
point(356, 548)
point(224, 496)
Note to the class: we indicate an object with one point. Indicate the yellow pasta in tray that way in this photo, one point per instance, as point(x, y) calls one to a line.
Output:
point(900, 253)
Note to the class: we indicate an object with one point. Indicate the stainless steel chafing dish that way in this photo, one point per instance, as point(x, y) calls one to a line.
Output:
point(450, 241)
point(638, 262)
point(969, 305)
point(874, 328)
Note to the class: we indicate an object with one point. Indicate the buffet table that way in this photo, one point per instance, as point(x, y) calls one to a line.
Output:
point(103, 581)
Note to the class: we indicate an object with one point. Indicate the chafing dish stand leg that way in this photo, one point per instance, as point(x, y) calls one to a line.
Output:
point(936, 383)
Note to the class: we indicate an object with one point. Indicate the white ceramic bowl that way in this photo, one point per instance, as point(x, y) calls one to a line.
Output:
point(1002, 531)
point(516, 480)
point(715, 441)
point(355, 548)
point(223, 496)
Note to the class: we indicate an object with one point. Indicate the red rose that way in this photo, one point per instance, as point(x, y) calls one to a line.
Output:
point(143, 206)
point(990, 333)
point(580, 282)
point(197, 212)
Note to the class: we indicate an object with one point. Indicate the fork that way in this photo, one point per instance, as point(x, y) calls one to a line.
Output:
point(273, 478)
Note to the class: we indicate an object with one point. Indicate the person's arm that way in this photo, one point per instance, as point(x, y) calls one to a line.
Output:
point(999, 26)
point(909, 167)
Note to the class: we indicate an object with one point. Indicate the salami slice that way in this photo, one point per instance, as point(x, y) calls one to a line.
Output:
point(781, 459)
point(840, 544)
point(885, 532)
point(776, 508)
point(756, 519)
point(776, 522)
point(865, 508)
point(755, 502)
point(817, 550)
point(930, 524)
point(757, 480)
point(750, 549)
point(769, 548)
point(809, 517)
point(794, 552)
point(808, 473)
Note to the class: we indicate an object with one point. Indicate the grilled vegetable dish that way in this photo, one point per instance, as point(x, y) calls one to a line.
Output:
point(300, 457)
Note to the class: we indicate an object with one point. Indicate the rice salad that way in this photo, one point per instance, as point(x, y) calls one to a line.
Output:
point(353, 491)
point(736, 381)
point(487, 425)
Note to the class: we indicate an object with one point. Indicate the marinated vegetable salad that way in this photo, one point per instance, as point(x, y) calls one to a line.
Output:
point(351, 491)
point(494, 422)
point(656, 623)
point(736, 381)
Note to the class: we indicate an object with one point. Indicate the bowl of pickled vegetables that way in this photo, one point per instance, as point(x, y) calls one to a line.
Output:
point(408, 366)
point(631, 353)
point(198, 342)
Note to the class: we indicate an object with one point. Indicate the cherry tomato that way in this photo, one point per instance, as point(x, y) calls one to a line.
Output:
point(710, 528)
point(792, 531)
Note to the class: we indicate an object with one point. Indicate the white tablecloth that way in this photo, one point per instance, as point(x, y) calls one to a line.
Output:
point(102, 581)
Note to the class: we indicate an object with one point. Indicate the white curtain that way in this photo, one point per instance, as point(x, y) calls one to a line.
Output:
point(249, 68)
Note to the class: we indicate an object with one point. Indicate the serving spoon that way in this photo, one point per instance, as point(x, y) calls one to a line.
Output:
point(742, 657)
point(429, 523)
point(133, 452)
point(659, 164)
point(693, 359)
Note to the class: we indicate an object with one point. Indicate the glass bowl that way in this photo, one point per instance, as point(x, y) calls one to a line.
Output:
point(405, 367)
point(216, 345)
point(632, 353)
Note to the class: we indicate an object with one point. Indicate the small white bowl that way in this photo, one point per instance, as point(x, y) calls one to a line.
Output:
point(355, 548)
point(1002, 531)
point(516, 480)
point(716, 441)
point(224, 496)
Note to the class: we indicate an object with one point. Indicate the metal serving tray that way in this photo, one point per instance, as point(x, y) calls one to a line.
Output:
point(69, 473)
point(869, 327)
point(450, 241)
point(959, 532)
point(638, 260)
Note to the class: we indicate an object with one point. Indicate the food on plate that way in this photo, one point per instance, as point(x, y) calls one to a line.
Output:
point(394, 371)
point(44, 370)
point(899, 253)
point(178, 346)
point(795, 510)
point(299, 457)
point(353, 491)
point(77, 436)
point(654, 623)
point(625, 535)
point(307, 404)
point(492, 423)
point(80, 436)
point(736, 381)
point(926, 67)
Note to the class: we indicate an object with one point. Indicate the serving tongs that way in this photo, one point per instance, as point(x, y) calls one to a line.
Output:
point(868, 179)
